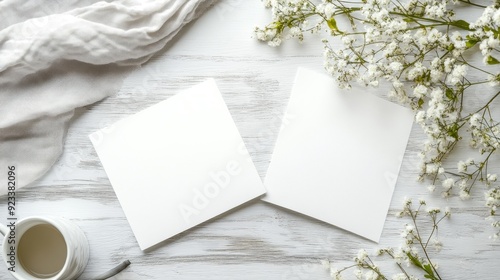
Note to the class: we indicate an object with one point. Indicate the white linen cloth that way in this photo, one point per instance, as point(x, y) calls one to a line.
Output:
point(56, 56)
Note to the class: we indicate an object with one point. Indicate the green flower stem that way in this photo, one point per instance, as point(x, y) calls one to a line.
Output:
point(419, 239)
point(487, 103)
point(413, 17)
point(472, 4)
point(464, 61)
point(480, 169)
point(399, 265)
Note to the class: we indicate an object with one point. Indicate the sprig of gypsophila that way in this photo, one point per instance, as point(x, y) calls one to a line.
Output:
point(415, 251)
point(420, 48)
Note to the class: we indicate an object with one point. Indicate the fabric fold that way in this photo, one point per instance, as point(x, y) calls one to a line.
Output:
point(56, 58)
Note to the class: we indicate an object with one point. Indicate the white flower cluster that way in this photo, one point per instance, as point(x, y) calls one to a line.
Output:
point(485, 27)
point(285, 14)
point(421, 49)
point(436, 10)
point(437, 84)
point(334, 272)
point(396, 51)
point(493, 202)
point(485, 134)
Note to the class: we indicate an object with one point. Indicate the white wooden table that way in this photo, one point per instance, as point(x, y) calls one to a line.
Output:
point(258, 241)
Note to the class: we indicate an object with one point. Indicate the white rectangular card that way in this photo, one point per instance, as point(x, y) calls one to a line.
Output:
point(338, 155)
point(177, 164)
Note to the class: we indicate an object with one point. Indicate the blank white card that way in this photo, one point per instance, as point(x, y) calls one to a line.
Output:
point(177, 164)
point(338, 155)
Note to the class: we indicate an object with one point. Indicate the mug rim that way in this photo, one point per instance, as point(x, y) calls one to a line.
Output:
point(51, 220)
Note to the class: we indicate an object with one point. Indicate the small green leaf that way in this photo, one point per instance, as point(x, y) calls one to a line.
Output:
point(491, 60)
point(428, 269)
point(453, 131)
point(415, 260)
point(461, 24)
point(449, 94)
point(430, 272)
point(278, 25)
point(471, 41)
point(420, 102)
point(332, 23)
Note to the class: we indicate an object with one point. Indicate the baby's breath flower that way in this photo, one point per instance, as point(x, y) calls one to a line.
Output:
point(296, 32)
point(431, 168)
point(448, 184)
point(399, 276)
point(325, 264)
point(447, 211)
point(348, 40)
point(437, 244)
point(491, 178)
point(464, 194)
point(495, 236)
point(275, 42)
point(440, 170)
point(336, 274)
point(379, 252)
point(458, 73)
point(371, 275)
point(462, 184)
point(475, 120)
point(420, 91)
point(362, 255)
point(433, 210)
point(400, 214)
point(406, 201)
point(396, 66)
point(462, 167)
point(494, 80)
point(407, 231)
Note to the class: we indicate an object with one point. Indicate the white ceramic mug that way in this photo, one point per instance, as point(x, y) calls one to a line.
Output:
point(32, 236)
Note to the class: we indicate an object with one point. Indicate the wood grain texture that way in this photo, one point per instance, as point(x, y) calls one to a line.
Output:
point(257, 241)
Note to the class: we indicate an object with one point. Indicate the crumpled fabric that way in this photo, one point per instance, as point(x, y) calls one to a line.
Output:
point(56, 56)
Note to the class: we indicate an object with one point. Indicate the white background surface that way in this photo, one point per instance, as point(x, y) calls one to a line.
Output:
point(259, 241)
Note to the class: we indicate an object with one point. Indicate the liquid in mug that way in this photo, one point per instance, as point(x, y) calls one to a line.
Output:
point(42, 251)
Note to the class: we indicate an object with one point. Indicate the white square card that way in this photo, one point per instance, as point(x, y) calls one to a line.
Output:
point(338, 155)
point(177, 164)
